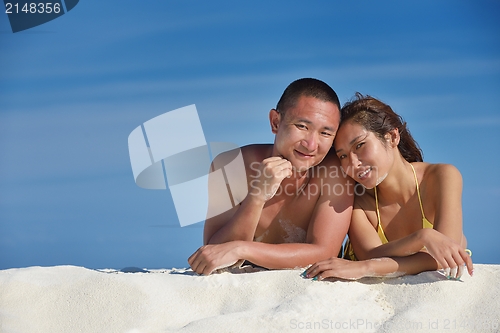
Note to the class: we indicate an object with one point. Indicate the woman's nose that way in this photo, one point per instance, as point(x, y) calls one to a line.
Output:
point(354, 160)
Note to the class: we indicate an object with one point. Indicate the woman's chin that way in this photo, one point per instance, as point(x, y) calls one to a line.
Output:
point(368, 187)
point(381, 179)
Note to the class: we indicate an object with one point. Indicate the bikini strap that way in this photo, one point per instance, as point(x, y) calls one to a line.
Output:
point(380, 230)
point(376, 207)
point(418, 193)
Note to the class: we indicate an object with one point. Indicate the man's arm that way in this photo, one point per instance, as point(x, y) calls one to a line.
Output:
point(326, 232)
point(273, 256)
point(238, 223)
point(257, 185)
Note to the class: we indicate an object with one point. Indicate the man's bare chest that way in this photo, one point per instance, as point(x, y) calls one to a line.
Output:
point(285, 221)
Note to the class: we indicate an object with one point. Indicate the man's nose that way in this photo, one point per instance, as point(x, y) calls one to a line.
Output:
point(310, 141)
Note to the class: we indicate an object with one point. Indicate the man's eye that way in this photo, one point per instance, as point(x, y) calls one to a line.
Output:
point(300, 126)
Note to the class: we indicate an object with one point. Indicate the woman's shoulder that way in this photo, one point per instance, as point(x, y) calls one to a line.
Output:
point(437, 173)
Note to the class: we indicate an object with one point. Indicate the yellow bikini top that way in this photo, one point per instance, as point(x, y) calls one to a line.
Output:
point(425, 221)
point(349, 251)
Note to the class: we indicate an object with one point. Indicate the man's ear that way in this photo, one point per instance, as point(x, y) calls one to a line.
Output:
point(393, 138)
point(274, 119)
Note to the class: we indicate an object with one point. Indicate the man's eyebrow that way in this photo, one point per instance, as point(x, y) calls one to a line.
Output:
point(302, 120)
point(328, 128)
point(352, 141)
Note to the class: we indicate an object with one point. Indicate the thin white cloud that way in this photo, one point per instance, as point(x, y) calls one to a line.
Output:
point(360, 73)
point(466, 122)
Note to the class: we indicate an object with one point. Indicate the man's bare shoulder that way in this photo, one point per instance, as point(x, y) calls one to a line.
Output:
point(250, 153)
point(256, 152)
point(331, 159)
point(225, 158)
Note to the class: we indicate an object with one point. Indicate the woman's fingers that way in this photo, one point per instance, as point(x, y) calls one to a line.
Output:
point(468, 262)
point(464, 260)
point(453, 272)
point(460, 271)
point(335, 267)
point(311, 271)
point(451, 257)
point(449, 265)
point(454, 264)
point(317, 269)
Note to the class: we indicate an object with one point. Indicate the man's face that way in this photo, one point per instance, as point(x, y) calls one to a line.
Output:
point(305, 133)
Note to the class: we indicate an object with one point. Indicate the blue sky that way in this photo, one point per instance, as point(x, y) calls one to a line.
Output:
point(73, 89)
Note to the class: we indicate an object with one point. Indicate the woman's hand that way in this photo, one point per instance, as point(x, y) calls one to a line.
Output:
point(449, 255)
point(209, 258)
point(338, 268)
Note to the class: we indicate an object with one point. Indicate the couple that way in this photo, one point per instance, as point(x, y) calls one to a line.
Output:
point(333, 171)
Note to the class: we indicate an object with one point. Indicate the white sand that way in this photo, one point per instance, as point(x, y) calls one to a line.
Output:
point(76, 299)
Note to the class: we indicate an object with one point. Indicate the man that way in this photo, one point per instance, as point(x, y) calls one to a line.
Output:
point(295, 204)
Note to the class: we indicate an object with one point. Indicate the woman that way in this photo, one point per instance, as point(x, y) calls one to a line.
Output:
point(409, 217)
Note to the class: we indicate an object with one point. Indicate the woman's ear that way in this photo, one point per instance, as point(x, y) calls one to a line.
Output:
point(393, 138)
point(274, 119)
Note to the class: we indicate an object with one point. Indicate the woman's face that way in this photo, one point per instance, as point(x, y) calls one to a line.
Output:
point(363, 156)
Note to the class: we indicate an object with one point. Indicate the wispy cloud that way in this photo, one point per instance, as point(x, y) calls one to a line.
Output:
point(466, 122)
point(359, 73)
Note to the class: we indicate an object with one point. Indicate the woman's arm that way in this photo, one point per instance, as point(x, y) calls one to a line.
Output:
point(446, 252)
point(377, 267)
point(444, 186)
point(367, 246)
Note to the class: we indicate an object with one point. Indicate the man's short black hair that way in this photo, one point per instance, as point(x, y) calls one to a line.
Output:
point(306, 87)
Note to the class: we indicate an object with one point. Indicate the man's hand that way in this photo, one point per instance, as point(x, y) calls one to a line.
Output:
point(209, 258)
point(269, 175)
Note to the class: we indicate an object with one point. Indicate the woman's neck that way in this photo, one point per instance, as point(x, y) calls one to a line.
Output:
point(399, 185)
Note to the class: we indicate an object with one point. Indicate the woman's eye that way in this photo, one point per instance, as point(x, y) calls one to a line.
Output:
point(359, 145)
point(341, 157)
